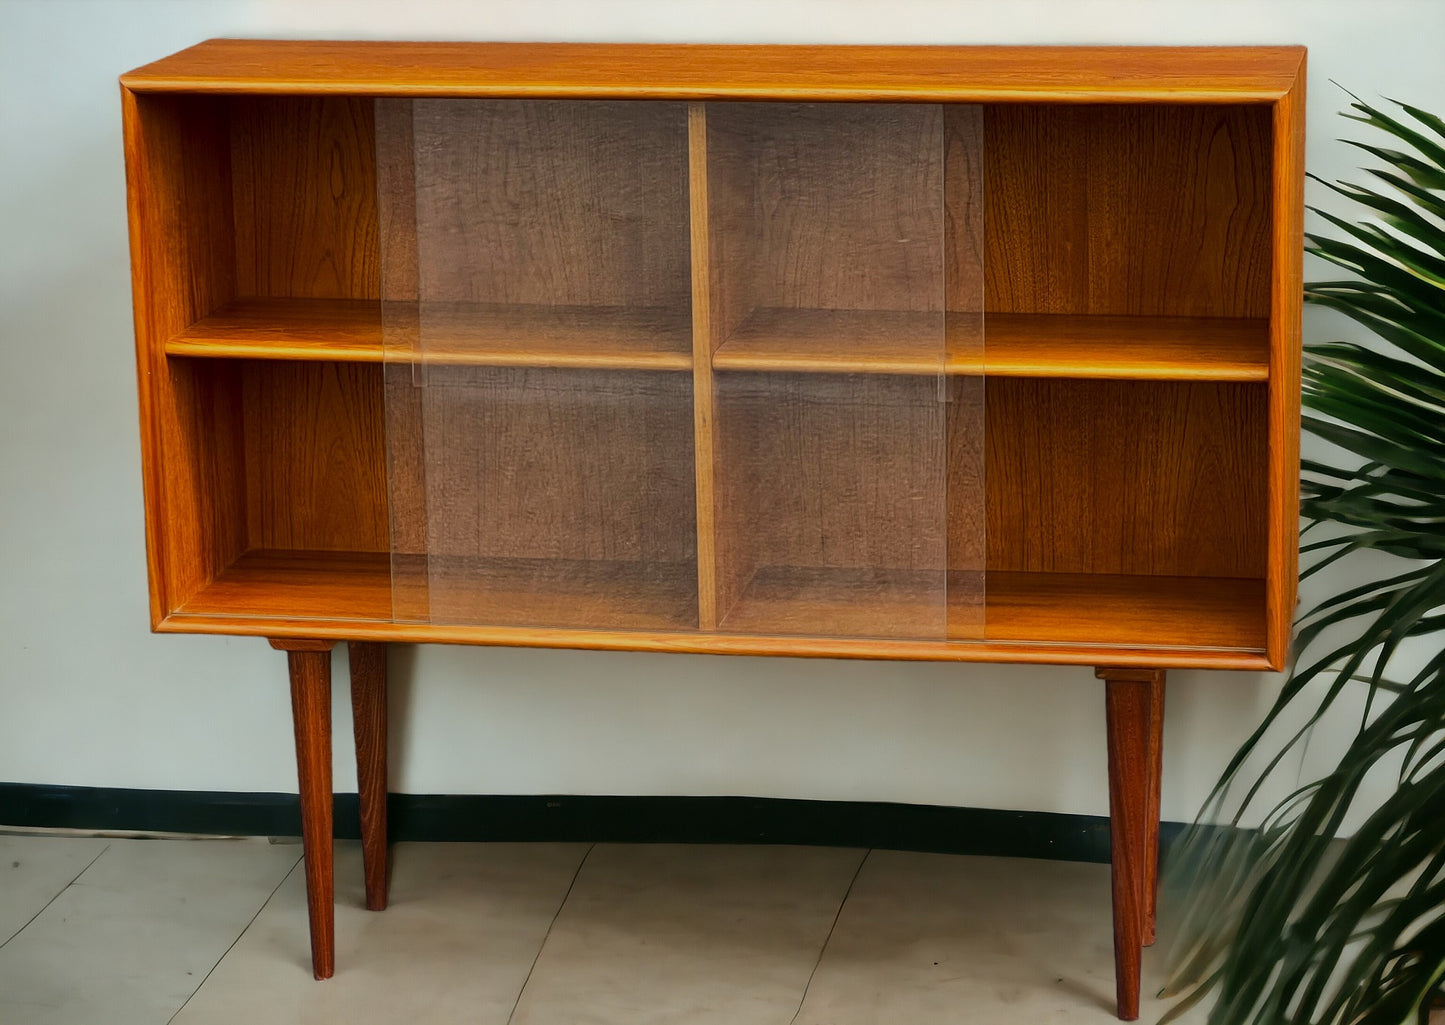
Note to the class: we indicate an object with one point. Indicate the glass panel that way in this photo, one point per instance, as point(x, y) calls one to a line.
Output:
point(964, 256)
point(545, 356)
point(828, 247)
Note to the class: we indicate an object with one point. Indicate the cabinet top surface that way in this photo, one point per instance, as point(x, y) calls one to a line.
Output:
point(1086, 74)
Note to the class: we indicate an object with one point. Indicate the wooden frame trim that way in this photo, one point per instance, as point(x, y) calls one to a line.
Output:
point(932, 74)
point(1287, 285)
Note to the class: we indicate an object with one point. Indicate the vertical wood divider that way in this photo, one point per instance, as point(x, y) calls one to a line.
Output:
point(702, 346)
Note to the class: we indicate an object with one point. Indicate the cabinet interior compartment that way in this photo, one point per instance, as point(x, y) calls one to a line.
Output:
point(545, 498)
point(538, 232)
point(1126, 512)
point(825, 224)
point(830, 504)
point(1129, 210)
point(405, 272)
point(284, 510)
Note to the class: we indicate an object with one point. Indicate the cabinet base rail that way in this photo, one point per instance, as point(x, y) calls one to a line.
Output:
point(1134, 711)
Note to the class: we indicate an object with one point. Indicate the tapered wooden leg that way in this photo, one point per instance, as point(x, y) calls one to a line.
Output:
point(1134, 700)
point(1151, 821)
point(310, 664)
point(368, 716)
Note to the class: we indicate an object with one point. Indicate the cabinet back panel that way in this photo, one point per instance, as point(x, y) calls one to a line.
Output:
point(549, 202)
point(315, 471)
point(840, 206)
point(1151, 210)
point(558, 464)
point(834, 471)
point(304, 177)
point(1160, 478)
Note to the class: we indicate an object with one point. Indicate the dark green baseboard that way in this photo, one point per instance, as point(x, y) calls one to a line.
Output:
point(908, 827)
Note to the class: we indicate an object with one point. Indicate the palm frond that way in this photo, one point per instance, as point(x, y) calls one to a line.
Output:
point(1287, 924)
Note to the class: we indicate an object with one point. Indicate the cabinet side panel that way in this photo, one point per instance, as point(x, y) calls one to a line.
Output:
point(305, 197)
point(1150, 210)
point(178, 177)
point(1157, 478)
point(1284, 370)
point(315, 465)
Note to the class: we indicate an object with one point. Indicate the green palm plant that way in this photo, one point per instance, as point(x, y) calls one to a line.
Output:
point(1284, 922)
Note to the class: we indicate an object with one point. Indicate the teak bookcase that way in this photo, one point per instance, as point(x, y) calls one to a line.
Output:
point(974, 354)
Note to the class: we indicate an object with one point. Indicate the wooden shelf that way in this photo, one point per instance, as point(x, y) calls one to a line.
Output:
point(501, 592)
point(1134, 610)
point(1046, 608)
point(457, 334)
point(344, 330)
point(834, 342)
point(772, 339)
point(839, 602)
point(299, 585)
point(1013, 345)
point(1118, 348)
point(565, 593)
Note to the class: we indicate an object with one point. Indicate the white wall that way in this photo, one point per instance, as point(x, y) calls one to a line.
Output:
point(88, 696)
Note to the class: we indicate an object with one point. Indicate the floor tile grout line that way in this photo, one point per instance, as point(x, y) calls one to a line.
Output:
point(829, 938)
point(555, 915)
point(54, 898)
point(231, 946)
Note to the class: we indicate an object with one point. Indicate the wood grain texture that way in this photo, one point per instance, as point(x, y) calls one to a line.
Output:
point(846, 471)
point(1286, 300)
point(1126, 477)
point(178, 190)
point(784, 339)
point(841, 602)
point(344, 330)
point(276, 585)
point(843, 209)
point(964, 200)
point(570, 466)
point(1210, 168)
point(703, 416)
point(308, 595)
point(1091, 346)
point(304, 176)
point(792, 340)
point(563, 594)
point(315, 468)
point(450, 334)
point(595, 337)
point(1141, 610)
point(399, 327)
point(1063, 74)
point(368, 718)
point(311, 714)
point(1099, 346)
point(1165, 211)
point(301, 644)
point(552, 204)
point(1048, 617)
point(1155, 754)
point(1134, 699)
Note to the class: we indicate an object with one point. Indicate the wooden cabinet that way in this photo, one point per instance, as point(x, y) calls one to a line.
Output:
point(974, 354)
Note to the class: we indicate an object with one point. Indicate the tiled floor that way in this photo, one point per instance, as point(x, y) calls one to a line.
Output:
point(201, 932)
